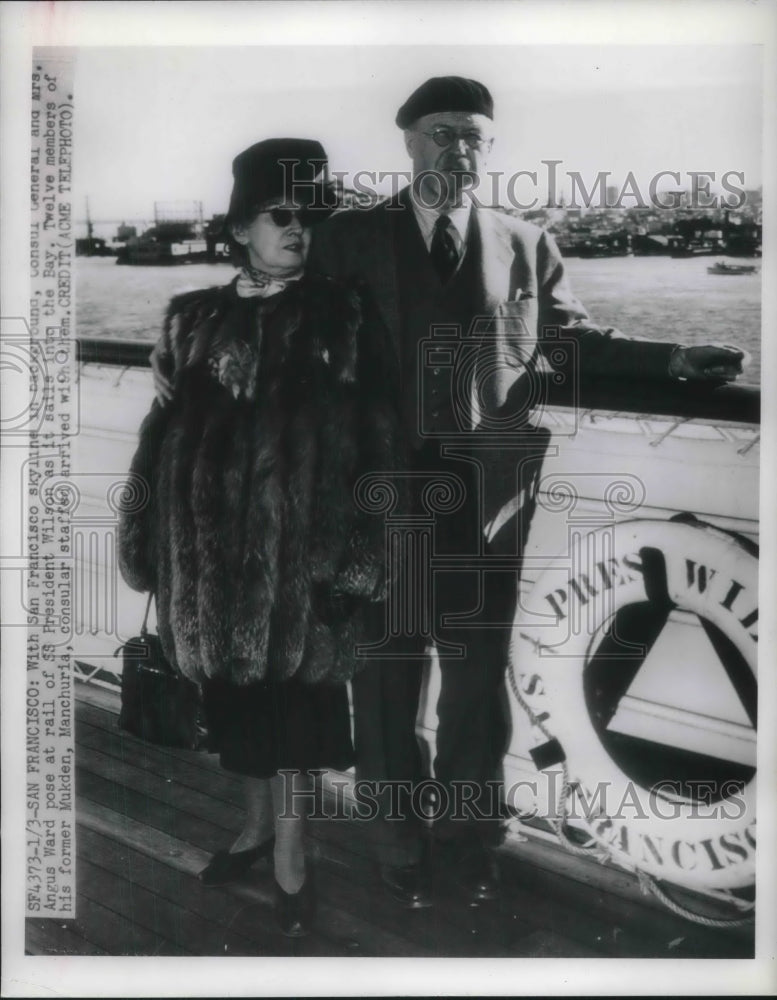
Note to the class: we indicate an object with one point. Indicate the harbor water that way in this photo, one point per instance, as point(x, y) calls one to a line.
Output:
point(662, 298)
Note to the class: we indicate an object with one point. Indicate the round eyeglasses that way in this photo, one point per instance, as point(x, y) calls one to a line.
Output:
point(444, 137)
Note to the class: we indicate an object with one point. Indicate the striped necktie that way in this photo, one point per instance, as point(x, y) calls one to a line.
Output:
point(443, 250)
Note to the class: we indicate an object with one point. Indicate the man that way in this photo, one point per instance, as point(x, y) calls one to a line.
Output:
point(493, 290)
point(434, 257)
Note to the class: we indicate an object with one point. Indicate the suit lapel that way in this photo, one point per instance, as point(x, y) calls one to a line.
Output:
point(496, 258)
point(378, 265)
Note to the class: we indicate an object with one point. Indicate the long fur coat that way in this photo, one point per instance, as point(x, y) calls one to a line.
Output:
point(244, 521)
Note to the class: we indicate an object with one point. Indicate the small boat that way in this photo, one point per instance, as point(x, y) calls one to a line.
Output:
point(721, 267)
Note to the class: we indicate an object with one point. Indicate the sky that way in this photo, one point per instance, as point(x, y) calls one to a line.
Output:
point(157, 123)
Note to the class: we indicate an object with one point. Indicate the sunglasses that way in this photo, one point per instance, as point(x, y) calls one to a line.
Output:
point(445, 137)
point(282, 217)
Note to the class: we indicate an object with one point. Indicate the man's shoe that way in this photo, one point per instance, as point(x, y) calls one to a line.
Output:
point(224, 867)
point(410, 885)
point(474, 870)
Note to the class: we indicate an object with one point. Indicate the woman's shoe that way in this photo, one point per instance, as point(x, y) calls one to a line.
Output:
point(294, 911)
point(225, 867)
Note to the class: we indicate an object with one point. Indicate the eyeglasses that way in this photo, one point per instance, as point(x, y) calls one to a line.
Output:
point(282, 217)
point(444, 137)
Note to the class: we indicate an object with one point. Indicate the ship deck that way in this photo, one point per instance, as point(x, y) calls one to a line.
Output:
point(148, 818)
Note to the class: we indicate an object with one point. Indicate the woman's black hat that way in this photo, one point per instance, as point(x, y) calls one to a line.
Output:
point(286, 169)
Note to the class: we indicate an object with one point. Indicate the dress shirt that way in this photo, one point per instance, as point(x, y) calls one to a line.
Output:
point(427, 217)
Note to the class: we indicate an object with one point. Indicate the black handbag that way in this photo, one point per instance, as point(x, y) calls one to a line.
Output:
point(157, 703)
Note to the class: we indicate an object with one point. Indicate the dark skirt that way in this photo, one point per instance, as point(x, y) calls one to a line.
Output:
point(262, 728)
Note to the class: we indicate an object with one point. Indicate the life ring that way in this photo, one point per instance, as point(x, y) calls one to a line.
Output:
point(662, 567)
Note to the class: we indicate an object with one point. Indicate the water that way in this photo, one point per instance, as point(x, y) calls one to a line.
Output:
point(129, 302)
point(673, 299)
point(656, 297)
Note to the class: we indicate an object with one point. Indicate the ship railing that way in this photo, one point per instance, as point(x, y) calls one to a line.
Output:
point(684, 399)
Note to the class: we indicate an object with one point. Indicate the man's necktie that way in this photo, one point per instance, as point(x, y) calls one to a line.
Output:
point(443, 250)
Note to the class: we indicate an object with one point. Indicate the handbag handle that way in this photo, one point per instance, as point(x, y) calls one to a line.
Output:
point(144, 626)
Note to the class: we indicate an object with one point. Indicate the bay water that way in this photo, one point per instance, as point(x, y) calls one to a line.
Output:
point(662, 298)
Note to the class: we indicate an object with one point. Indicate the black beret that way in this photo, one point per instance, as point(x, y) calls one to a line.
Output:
point(446, 93)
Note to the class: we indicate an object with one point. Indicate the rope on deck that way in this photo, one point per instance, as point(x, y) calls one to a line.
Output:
point(593, 849)
point(648, 884)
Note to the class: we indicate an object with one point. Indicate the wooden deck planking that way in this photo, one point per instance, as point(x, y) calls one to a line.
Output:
point(491, 929)
point(556, 888)
point(346, 932)
point(355, 910)
point(53, 937)
point(113, 933)
point(345, 875)
point(137, 792)
point(98, 728)
point(619, 927)
point(206, 921)
point(187, 767)
point(561, 905)
point(145, 911)
point(115, 762)
point(150, 817)
point(159, 815)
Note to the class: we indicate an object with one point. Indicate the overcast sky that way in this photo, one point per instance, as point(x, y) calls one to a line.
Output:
point(159, 124)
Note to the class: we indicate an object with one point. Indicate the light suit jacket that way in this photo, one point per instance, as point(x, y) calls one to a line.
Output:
point(523, 290)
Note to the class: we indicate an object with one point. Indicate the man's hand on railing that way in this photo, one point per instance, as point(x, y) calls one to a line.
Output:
point(163, 386)
point(710, 361)
point(685, 396)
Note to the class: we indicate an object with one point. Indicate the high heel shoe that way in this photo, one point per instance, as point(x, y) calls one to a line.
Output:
point(225, 867)
point(294, 911)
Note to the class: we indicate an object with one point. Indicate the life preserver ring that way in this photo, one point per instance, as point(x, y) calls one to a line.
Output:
point(663, 567)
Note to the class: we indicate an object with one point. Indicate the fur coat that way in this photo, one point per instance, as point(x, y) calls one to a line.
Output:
point(247, 529)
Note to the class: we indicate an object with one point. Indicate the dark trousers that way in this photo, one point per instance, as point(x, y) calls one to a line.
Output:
point(472, 608)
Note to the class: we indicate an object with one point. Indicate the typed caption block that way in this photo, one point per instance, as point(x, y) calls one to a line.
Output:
point(50, 425)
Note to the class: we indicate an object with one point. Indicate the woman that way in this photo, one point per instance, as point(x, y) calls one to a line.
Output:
point(252, 541)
